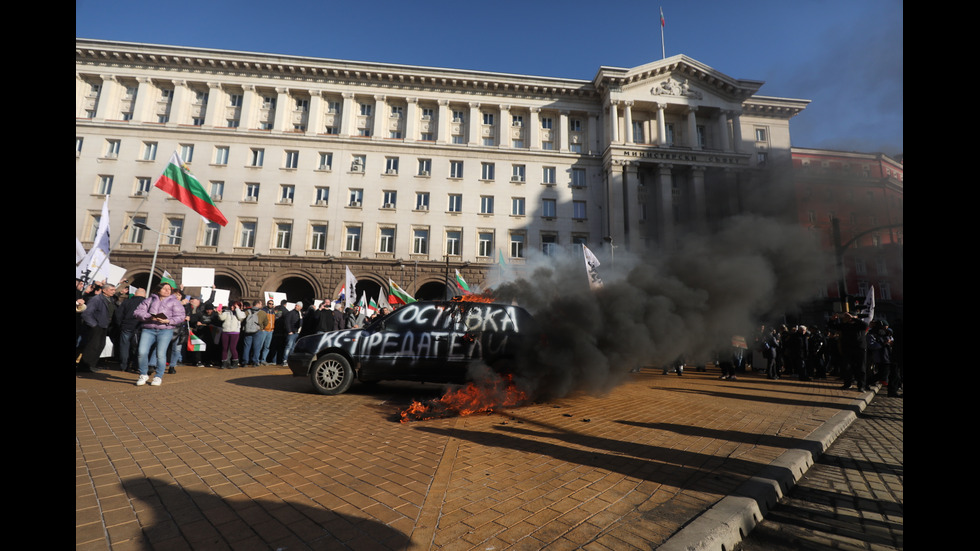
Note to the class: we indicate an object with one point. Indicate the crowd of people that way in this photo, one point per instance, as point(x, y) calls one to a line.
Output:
point(161, 331)
point(857, 352)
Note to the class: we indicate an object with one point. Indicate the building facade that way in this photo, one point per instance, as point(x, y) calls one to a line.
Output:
point(864, 193)
point(403, 171)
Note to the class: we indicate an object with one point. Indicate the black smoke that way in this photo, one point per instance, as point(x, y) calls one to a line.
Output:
point(654, 308)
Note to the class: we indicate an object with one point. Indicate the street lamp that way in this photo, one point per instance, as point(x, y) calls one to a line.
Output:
point(153, 265)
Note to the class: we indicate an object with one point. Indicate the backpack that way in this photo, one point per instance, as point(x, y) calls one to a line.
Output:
point(252, 323)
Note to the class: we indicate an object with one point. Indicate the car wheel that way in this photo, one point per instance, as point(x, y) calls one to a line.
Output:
point(331, 375)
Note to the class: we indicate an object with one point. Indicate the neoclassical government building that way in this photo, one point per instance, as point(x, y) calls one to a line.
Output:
point(398, 170)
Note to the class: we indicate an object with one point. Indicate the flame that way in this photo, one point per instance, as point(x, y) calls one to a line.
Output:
point(482, 397)
point(485, 297)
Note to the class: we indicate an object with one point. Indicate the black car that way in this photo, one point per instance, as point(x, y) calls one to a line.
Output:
point(430, 341)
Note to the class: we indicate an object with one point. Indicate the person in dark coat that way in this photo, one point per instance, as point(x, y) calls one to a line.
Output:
point(96, 319)
point(293, 322)
point(339, 320)
point(128, 330)
point(854, 350)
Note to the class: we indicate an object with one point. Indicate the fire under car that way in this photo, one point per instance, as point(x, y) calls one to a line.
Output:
point(428, 342)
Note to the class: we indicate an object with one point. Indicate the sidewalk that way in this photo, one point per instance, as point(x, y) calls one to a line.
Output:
point(252, 459)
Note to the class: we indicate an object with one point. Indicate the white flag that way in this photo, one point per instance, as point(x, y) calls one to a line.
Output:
point(591, 263)
point(383, 300)
point(100, 247)
point(350, 287)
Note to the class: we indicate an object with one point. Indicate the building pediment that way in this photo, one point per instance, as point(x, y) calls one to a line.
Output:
point(677, 78)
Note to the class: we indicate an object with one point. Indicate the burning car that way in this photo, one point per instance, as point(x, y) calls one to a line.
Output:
point(430, 341)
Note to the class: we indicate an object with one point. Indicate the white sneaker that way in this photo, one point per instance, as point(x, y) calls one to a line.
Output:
point(157, 381)
point(142, 380)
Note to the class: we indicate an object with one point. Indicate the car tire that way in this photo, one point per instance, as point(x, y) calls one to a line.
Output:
point(331, 375)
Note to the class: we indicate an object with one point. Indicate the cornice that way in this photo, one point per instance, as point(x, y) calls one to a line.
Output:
point(765, 106)
point(100, 53)
point(608, 78)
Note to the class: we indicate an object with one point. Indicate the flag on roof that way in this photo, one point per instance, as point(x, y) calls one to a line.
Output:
point(178, 181)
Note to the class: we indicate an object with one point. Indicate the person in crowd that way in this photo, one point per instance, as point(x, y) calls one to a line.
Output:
point(339, 320)
point(267, 331)
point(194, 310)
point(179, 339)
point(854, 349)
point(770, 345)
point(324, 317)
point(159, 314)
point(129, 330)
point(96, 318)
point(293, 322)
point(255, 321)
point(277, 348)
point(210, 333)
point(817, 358)
point(231, 326)
point(796, 352)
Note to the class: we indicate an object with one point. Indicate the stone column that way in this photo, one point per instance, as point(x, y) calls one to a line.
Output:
point(108, 98)
point(737, 130)
point(347, 115)
point(142, 104)
point(214, 111)
point(661, 124)
point(381, 117)
point(665, 202)
point(443, 122)
point(628, 121)
point(692, 128)
point(700, 202)
point(250, 107)
point(411, 119)
point(534, 129)
point(474, 125)
point(563, 131)
point(723, 142)
point(314, 120)
point(613, 123)
point(631, 205)
point(281, 123)
point(180, 104)
point(503, 135)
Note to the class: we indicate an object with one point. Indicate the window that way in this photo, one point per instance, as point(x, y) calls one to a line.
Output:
point(517, 173)
point(197, 121)
point(397, 111)
point(702, 137)
point(455, 169)
point(427, 113)
point(246, 235)
point(175, 229)
point(575, 147)
point(352, 239)
point(761, 157)
point(517, 206)
point(391, 165)
point(517, 120)
point(234, 100)
point(364, 132)
point(578, 210)
point(292, 159)
point(284, 231)
point(453, 242)
point(548, 208)
point(760, 134)
point(136, 233)
point(78, 145)
point(669, 128)
point(395, 134)
point(111, 149)
point(286, 193)
point(268, 102)
point(578, 177)
point(326, 161)
point(104, 186)
point(638, 132)
point(486, 204)
point(390, 198)
point(302, 105)
point(143, 186)
point(333, 107)
point(422, 200)
point(485, 242)
point(427, 137)
point(355, 196)
point(257, 158)
point(548, 145)
point(574, 125)
point(321, 196)
point(517, 245)
point(455, 202)
point(489, 141)
point(425, 167)
point(488, 119)
point(149, 151)
point(318, 237)
point(487, 171)
point(546, 123)
point(420, 241)
point(549, 244)
point(518, 143)
point(366, 109)
point(458, 117)
point(548, 175)
point(386, 240)
point(251, 192)
point(187, 153)
point(881, 266)
point(211, 232)
point(220, 155)
point(458, 139)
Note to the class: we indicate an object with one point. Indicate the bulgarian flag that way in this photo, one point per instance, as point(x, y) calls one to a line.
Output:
point(167, 278)
point(194, 344)
point(372, 308)
point(178, 181)
point(461, 284)
point(397, 296)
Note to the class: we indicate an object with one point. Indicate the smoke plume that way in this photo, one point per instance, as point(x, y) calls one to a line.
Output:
point(651, 310)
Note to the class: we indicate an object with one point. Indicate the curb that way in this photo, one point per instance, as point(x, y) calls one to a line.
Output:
point(725, 524)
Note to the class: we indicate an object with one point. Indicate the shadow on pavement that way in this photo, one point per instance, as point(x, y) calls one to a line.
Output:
point(177, 518)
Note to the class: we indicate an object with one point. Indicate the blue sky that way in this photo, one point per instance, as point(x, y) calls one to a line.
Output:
point(846, 56)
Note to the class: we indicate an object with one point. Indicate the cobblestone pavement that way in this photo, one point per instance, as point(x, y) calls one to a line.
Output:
point(252, 459)
point(852, 498)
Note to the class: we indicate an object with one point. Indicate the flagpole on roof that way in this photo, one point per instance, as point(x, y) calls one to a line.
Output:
point(663, 49)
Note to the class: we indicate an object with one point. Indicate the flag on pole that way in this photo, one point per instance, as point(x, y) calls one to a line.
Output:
point(178, 181)
point(869, 303)
point(663, 22)
point(591, 265)
point(194, 343)
point(350, 288)
point(167, 278)
point(99, 253)
point(398, 296)
point(383, 300)
point(461, 284)
point(372, 308)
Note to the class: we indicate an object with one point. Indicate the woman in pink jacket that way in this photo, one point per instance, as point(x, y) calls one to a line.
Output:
point(158, 315)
